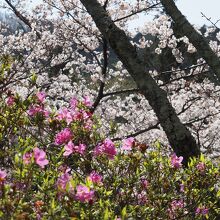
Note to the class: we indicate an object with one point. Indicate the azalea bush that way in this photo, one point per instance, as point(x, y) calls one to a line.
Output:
point(56, 164)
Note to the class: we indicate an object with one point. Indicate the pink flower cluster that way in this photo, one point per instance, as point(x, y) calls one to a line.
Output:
point(86, 101)
point(3, 175)
point(37, 109)
point(73, 103)
point(176, 162)
point(10, 100)
point(202, 211)
point(107, 148)
point(144, 183)
point(127, 144)
point(175, 206)
point(65, 114)
point(142, 198)
point(201, 167)
point(64, 181)
point(95, 177)
point(73, 113)
point(39, 157)
point(69, 115)
point(84, 194)
point(41, 96)
point(64, 136)
point(71, 148)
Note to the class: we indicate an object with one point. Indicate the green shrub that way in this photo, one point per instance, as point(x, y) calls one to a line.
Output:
point(57, 165)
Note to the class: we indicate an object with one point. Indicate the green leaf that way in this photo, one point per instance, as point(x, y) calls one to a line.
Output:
point(17, 159)
point(106, 214)
point(124, 213)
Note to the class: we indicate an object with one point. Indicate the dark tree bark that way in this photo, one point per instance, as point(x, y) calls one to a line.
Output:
point(183, 27)
point(178, 135)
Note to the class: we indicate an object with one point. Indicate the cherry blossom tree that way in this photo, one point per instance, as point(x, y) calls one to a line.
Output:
point(69, 56)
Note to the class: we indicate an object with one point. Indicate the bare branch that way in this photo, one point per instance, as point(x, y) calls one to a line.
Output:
point(104, 72)
point(136, 12)
point(156, 126)
point(121, 92)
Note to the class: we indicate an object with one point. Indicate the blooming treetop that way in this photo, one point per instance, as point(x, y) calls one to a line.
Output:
point(66, 53)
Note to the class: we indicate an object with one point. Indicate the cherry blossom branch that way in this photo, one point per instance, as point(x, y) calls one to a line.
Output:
point(21, 17)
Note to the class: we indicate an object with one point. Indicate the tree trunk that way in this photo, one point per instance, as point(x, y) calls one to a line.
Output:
point(178, 135)
point(199, 42)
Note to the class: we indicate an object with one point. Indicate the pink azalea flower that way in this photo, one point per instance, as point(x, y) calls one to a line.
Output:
point(41, 96)
point(84, 194)
point(37, 109)
point(95, 177)
point(63, 181)
point(73, 103)
point(201, 167)
point(68, 148)
point(3, 175)
point(40, 157)
point(127, 144)
point(10, 100)
point(88, 124)
point(80, 149)
point(27, 158)
point(64, 136)
point(176, 162)
point(142, 198)
point(182, 187)
point(176, 204)
point(65, 114)
point(144, 183)
point(86, 101)
point(71, 148)
point(98, 150)
point(174, 207)
point(202, 211)
point(107, 148)
point(86, 115)
point(64, 168)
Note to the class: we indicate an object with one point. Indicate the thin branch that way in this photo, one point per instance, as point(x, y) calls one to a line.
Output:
point(156, 126)
point(104, 72)
point(183, 69)
point(209, 19)
point(136, 12)
point(121, 92)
